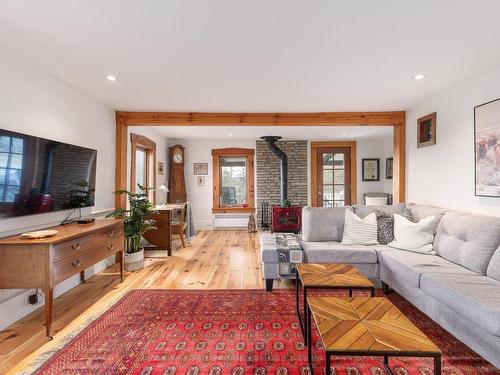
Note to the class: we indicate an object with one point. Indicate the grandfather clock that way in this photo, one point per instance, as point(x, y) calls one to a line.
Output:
point(176, 182)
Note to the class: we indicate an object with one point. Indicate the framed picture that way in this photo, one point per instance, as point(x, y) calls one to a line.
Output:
point(370, 169)
point(200, 169)
point(426, 130)
point(487, 149)
point(388, 168)
point(161, 168)
point(200, 180)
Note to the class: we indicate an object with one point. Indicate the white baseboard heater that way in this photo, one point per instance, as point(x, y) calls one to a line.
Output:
point(225, 221)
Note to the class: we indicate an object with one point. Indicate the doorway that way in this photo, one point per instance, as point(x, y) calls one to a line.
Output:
point(333, 174)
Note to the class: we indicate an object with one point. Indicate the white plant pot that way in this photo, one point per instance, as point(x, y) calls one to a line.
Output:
point(134, 261)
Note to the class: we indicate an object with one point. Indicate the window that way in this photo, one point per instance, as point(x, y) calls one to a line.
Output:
point(143, 161)
point(11, 166)
point(233, 175)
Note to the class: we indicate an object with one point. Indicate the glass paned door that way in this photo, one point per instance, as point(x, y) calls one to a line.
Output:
point(334, 176)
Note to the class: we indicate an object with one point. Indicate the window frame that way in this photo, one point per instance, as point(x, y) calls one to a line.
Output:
point(217, 154)
point(141, 142)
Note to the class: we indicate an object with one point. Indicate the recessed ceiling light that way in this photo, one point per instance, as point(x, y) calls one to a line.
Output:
point(230, 134)
point(419, 76)
point(110, 77)
point(344, 133)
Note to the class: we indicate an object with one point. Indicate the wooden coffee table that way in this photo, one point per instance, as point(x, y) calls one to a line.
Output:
point(367, 326)
point(326, 276)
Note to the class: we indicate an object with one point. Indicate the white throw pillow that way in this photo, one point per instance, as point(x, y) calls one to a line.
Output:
point(416, 237)
point(359, 231)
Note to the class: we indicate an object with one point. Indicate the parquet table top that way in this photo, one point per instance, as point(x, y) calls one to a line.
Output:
point(367, 324)
point(332, 275)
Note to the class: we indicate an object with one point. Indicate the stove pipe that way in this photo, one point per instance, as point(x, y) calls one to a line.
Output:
point(271, 142)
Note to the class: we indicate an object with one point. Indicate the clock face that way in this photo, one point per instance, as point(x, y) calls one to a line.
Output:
point(177, 157)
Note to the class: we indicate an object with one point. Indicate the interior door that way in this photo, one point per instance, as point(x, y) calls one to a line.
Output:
point(333, 168)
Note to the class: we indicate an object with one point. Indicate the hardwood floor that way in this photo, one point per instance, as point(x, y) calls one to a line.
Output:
point(214, 260)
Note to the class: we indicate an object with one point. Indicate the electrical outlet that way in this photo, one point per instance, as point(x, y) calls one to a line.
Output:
point(33, 299)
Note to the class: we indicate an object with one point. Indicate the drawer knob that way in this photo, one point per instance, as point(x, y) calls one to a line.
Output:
point(76, 246)
point(76, 263)
point(110, 246)
point(110, 233)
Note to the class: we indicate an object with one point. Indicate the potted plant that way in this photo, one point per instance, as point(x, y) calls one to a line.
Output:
point(135, 224)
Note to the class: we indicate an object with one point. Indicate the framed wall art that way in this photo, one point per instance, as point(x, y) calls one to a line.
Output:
point(200, 169)
point(161, 168)
point(370, 169)
point(487, 149)
point(426, 130)
point(389, 168)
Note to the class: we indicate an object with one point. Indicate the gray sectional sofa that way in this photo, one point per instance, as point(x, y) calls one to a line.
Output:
point(459, 287)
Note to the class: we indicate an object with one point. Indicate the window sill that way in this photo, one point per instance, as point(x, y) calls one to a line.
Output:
point(226, 210)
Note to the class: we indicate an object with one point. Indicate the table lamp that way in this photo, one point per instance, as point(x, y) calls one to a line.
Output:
point(164, 189)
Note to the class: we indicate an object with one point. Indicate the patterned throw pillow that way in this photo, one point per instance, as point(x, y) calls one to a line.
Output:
point(385, 225)
point(359, 231)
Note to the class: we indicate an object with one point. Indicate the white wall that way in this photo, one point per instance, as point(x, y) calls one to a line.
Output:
point(200, 151)
point(376, 148)
point(443, 174)
point(161, 156)
point(35, 103)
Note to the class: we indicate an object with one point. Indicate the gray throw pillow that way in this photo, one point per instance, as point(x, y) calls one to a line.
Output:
point(385, 224)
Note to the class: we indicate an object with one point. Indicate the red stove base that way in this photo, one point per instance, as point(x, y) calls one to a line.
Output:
point(287, 219)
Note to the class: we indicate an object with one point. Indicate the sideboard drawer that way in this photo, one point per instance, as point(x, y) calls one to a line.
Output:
point(71, 247)
point(109, 233)
point(71, 265)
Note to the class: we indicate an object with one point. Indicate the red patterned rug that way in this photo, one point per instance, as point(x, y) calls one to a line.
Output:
point(238, 332)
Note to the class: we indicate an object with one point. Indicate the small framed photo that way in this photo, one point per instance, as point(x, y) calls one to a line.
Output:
point(426, 130)
point(388, 168)
point(370, 169)
point(200, 180)
point(200, 169)
point(161, 168)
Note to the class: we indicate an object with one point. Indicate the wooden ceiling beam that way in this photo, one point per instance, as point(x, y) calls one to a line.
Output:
point(261, 119)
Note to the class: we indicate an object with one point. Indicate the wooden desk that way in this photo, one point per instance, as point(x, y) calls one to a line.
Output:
point(42, 263)
point(162, 237)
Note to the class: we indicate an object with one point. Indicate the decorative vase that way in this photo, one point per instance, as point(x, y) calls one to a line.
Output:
point(134, 261)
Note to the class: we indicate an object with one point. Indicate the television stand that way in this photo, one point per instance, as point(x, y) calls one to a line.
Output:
point(43, 263)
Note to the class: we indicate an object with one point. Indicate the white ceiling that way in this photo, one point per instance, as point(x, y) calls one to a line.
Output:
point(314, 133)
point(255, 55)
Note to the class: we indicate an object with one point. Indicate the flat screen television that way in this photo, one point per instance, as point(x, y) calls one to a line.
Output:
point(39, 175)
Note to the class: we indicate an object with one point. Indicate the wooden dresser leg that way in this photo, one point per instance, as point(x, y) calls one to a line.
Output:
point(121, 254)
point(49, 298)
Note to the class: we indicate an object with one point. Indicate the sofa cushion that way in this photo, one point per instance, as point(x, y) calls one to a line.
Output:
point(363, 211)
point(410, 266)
point(467, 239)
point(420, 212)
point(334, 252)
point(416, 237)
point(494, 265)
point(476, 297)
point(323, 223)
point(359, 231)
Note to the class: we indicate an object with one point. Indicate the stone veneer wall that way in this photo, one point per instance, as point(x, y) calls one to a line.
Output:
point(268, 174)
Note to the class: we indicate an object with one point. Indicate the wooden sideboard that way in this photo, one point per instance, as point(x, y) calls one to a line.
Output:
point(42, 263)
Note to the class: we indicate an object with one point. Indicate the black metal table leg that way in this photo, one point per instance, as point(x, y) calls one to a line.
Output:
point(373, 292)
point(328, 366)
point(309, 340)
point(304, 289)
point(437, 365)
point(386, 365)
point(350, 292)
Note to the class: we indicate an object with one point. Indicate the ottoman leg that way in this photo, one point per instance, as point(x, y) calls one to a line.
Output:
point(269, 285)
point(386, 289)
